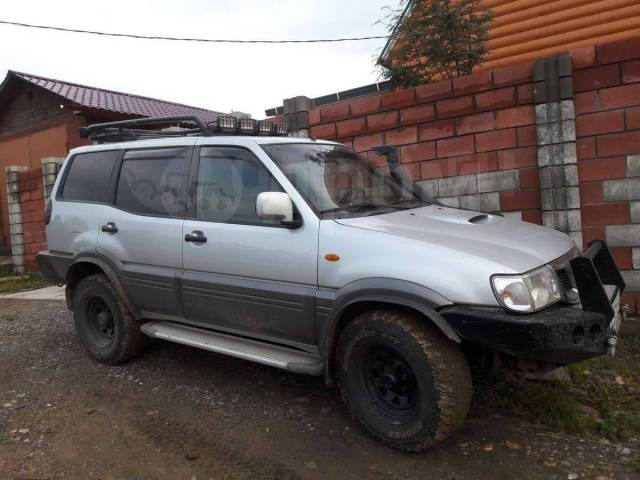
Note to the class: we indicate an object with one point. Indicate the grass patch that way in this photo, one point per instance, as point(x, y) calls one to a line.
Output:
point(6, 271)
point(29, 281)
point(603, 399)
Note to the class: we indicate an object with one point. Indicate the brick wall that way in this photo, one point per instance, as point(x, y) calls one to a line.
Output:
point(32, 211)
point(607, 104)
point(28, 190)
point(492, 140)
point(470, 141)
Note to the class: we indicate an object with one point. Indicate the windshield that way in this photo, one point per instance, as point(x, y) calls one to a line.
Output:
point(337, 181)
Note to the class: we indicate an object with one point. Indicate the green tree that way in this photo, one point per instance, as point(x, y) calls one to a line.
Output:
point(436, 39)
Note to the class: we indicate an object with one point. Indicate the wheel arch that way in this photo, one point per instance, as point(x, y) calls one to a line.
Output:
point(84, 266)
point(377, 293)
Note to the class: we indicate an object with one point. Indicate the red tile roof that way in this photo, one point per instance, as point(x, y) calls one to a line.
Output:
point(111, 101)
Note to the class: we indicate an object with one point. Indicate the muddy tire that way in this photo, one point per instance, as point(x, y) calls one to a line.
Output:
point(104, 324)
point(402, 380)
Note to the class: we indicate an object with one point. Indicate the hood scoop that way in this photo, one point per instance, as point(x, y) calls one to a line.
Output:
point(486, 218)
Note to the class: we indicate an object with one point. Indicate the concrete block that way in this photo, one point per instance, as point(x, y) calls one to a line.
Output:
point(430, 187)
point(13, 188)
point(574, 220)
point(16, 228)
point(544, 156)
point(547, 199)
point(16, 239)
point(636, 258)
point(481, 202)
point(569, 153)
point(454, 186)
point(14, 207)
point(541, 113)
point(515, 216)
point(554, 112)
point(635, 212)
point(17, 250)
point(633, 166)
point(577, 239)
point(623, 189)
point(632, 279)
point(450, 201)
point(15, 218)
point(16, 168)
point(568, 131)
point(568, 110)
point(623, 235)
point(498, 181)
point(559, 176)
point(549, 219)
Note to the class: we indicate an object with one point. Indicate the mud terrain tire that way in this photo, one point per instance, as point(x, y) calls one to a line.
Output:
point(105, 326)
point(402, 380)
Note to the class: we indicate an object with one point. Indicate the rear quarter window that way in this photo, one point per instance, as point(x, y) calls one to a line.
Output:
point(88, 177)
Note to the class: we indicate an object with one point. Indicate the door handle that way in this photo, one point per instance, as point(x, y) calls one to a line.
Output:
point(195, 237)
point(110, 227)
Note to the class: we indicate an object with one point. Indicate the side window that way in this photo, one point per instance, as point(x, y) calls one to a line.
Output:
point(229, 181)
point(88, 176)
point(152, 182)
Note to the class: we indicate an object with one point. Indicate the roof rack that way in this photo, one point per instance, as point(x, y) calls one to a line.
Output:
point(127, 130)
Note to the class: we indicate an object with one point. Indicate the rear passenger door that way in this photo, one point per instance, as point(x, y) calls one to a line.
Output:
point(252, 276)
point(141, 232)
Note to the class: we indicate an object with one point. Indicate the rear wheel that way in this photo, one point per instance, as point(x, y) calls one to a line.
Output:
point(105, 326)
point(402, 380)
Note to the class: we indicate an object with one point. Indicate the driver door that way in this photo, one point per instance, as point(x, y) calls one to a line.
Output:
point(243, 274)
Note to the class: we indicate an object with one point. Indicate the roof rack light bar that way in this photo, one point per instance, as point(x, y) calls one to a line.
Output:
point(128, 130)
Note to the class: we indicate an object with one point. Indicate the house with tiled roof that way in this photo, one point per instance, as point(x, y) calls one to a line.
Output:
point(40, 118)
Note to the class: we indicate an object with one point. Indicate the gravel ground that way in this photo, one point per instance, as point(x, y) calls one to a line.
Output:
point(181, 413)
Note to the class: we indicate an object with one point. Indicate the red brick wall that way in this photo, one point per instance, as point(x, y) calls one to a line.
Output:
point(480, 123)
point(607, 104)
point(32, 208)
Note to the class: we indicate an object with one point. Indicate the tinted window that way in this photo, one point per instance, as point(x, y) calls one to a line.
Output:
point(88, 176)
point(151, 182)
point(229, 181)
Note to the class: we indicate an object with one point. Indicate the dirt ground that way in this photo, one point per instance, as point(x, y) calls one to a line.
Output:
point(181, 413)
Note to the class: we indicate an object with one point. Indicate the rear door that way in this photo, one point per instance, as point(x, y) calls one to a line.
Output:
point(141, 231)
point(252, 276)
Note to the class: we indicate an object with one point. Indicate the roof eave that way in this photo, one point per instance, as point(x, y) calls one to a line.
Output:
point(383, 59)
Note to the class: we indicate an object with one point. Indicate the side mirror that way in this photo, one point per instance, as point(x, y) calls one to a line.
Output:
point(276, 205)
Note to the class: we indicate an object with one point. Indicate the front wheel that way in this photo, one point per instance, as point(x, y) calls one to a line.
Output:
point(402, 380)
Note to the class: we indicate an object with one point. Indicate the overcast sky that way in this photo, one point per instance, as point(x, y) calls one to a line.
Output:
point(222, 77)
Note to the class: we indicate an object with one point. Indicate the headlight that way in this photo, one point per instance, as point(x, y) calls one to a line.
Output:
point(528, 292)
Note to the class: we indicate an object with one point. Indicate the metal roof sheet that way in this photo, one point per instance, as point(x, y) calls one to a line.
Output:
point(112, 101)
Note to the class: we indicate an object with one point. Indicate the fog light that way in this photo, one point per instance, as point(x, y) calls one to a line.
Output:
point(595, 332)
point(578, 335)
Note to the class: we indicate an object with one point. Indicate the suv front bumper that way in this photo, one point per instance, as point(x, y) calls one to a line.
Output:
point(561, 333)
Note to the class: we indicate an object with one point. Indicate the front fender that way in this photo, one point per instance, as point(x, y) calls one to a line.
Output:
point(332, 305)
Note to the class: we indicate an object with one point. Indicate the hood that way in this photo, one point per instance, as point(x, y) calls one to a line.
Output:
point(518, 246)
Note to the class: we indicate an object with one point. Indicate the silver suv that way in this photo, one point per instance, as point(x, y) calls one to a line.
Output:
point(299, 254)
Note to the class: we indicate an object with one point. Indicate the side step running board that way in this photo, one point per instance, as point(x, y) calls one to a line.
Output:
point(265, 353)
